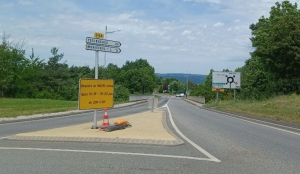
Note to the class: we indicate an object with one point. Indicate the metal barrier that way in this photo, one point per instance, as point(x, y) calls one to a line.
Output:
point(199, 99)
point(139, 97)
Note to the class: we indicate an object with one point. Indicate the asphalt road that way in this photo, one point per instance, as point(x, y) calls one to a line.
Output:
point(214, 143)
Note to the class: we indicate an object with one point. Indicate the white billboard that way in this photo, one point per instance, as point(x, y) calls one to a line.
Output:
point(227, 80)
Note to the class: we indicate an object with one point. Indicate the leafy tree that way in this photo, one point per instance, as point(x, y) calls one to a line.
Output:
point(56, 76)
point(177, 86)
point(113, 72)
point(12, 66)
point(138, 76)
point(121, 93)
point(277, 44)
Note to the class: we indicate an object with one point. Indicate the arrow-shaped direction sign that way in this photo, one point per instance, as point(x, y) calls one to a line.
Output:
point(102, 48)
point(104, 42)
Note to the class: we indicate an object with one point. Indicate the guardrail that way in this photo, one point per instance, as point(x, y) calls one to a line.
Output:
point(139, 97)
point(199, 99)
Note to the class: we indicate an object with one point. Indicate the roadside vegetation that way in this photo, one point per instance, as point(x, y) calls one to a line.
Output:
point(17, 107)
point(281, 108)
point(13, 107)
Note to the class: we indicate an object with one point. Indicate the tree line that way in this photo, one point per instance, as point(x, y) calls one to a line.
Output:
point(273, 66)
point(33, 77)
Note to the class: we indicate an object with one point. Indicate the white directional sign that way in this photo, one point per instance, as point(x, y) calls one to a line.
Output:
point(102, 48)
point(96, 41)
point(228, 80)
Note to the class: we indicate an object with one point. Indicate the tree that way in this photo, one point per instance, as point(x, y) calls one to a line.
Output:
point(177, 86)
point(56, 78)
point(138, 76)
point(277, 43)
point(12, 65)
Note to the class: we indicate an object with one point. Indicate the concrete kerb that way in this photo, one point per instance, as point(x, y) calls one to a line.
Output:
point(263, 121)
point(165, 125)
point(62, 114)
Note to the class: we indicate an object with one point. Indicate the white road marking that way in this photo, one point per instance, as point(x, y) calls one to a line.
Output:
point(3, 138)
point(107, 152)
point(188, 140)
point(263, 125)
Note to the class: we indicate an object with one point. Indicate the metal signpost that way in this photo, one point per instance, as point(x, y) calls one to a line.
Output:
point(226, 80)
point(97, 43)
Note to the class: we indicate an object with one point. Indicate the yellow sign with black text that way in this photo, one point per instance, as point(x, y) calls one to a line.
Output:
point(218, 89)
point(96, 94)
point(98, 35)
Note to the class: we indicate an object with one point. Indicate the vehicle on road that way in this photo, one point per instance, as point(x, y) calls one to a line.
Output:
point(180, 95)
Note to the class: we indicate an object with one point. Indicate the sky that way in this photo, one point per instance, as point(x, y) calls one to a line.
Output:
point(174, 36)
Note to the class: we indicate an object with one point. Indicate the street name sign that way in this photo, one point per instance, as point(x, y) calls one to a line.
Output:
point(102, 48)
point(96, 41)
point(227, 80)
point(95, 94)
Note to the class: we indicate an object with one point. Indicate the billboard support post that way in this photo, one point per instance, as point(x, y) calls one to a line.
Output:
point(234, 93)
point(217, 99)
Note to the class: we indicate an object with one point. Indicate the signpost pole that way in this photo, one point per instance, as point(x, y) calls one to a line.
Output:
point(217, 102)
point(96, 77)
point(234, 95)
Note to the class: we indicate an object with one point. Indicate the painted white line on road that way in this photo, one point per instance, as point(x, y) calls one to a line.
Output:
point(3, 138)
point(107, 152)
point(188, 140)
point(263, 125)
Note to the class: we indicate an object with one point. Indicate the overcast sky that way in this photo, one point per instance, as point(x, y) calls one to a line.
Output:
point(175, 36)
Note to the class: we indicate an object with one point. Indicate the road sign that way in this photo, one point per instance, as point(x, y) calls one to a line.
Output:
point(98, 35)
point(96, 41)
point(102, 48)
point(217, 89)
point(227, 80)
point(95, 94)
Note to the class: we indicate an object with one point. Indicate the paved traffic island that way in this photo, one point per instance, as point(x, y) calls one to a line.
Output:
point(147, 128)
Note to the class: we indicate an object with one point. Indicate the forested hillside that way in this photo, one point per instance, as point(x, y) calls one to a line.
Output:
point(195, 78)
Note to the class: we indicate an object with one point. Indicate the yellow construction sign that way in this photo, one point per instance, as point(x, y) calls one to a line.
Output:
point(217, 89)
point(95, 94)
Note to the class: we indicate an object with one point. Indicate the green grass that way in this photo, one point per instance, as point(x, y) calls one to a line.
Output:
point(16, 107)
point(282, 108)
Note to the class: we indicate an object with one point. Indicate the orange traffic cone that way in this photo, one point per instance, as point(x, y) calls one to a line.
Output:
point(105, 122)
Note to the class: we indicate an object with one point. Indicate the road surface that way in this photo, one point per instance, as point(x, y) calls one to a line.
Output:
point(213, 143)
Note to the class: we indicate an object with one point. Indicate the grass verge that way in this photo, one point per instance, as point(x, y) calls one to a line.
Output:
point(281, 108)
point(16, 107)
point(10, 107)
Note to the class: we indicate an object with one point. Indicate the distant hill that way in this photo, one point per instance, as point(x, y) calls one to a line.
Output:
point(195, 78)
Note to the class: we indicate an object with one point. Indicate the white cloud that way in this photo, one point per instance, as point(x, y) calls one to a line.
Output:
point(208, 1)
point(236, 20)
point(186, 32)
point(25, 3)
point(6, 5)
point(144, 32)
point(218, 24)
